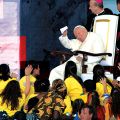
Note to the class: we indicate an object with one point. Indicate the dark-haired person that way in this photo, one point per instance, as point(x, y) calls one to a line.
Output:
point(34, 71)
point(89, 86)
point(93, 100)
point(5, 76)
point(87, 113)
point(103, 83)
point(97, 8)
point(73, 83)
point(115, 104)
point(104, 87)
point(77, 105)
point(11, 98)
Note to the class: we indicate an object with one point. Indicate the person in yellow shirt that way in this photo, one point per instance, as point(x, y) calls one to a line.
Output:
point(32, 77)
point(103, 84)
point(89, 87)
point(5, 76)
point(68, 108)
point(73, 83)
point(9, 83)
point(11, 98)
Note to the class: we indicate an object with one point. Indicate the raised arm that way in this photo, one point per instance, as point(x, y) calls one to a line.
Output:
point(28, 71)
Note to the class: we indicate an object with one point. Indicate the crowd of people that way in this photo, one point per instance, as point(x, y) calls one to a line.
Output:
point(66, 99)
point(64, 96)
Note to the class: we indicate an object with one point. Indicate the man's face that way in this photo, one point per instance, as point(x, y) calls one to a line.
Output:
point(37, 71)
point(118, 7)
point(92, 6)
point(80, 34)
point(85, 115)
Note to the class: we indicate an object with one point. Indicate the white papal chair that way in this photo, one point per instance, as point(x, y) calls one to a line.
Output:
point(106, 27)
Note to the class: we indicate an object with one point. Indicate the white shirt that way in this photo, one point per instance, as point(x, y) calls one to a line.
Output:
point(93, 43)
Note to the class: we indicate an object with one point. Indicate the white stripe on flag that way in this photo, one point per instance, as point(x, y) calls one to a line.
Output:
point(1, 9)
point(9, 52)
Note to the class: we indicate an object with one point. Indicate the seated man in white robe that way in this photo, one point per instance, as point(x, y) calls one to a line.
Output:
point(85, 41)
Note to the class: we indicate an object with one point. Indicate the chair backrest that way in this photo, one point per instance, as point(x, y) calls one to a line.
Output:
point(106, 27)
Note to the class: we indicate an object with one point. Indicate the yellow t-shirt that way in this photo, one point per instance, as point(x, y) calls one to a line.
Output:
point(67, 102)
point(68, 105)
point(23, 85)
point(8, 108)
point(4, 83)
point(31, 96)
point(84, 97)
point(100, 89)
point(26, 101)
point(74, 89)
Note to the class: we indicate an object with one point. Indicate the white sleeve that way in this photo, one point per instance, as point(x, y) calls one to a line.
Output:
point(65, 42)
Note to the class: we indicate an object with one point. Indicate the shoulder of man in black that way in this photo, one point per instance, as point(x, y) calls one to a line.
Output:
point(108, 11)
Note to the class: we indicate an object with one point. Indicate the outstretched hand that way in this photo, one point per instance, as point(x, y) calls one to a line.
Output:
point(28, 70)
point(79, 59)
point(64, 33)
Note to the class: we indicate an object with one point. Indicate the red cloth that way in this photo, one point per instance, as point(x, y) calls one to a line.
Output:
point(100, 113)
point(22, 50)
point(99, 1)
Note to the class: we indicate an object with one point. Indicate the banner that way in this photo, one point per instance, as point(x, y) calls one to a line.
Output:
point(1, 9)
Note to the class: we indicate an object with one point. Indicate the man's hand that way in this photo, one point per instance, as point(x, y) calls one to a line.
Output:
point(79, 59)
point(65, 33)
point(114, 82)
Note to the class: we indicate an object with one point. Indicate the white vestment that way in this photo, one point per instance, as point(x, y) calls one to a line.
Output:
point(93, 43)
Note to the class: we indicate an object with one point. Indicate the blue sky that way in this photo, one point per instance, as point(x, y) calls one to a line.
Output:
point(111, 4)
